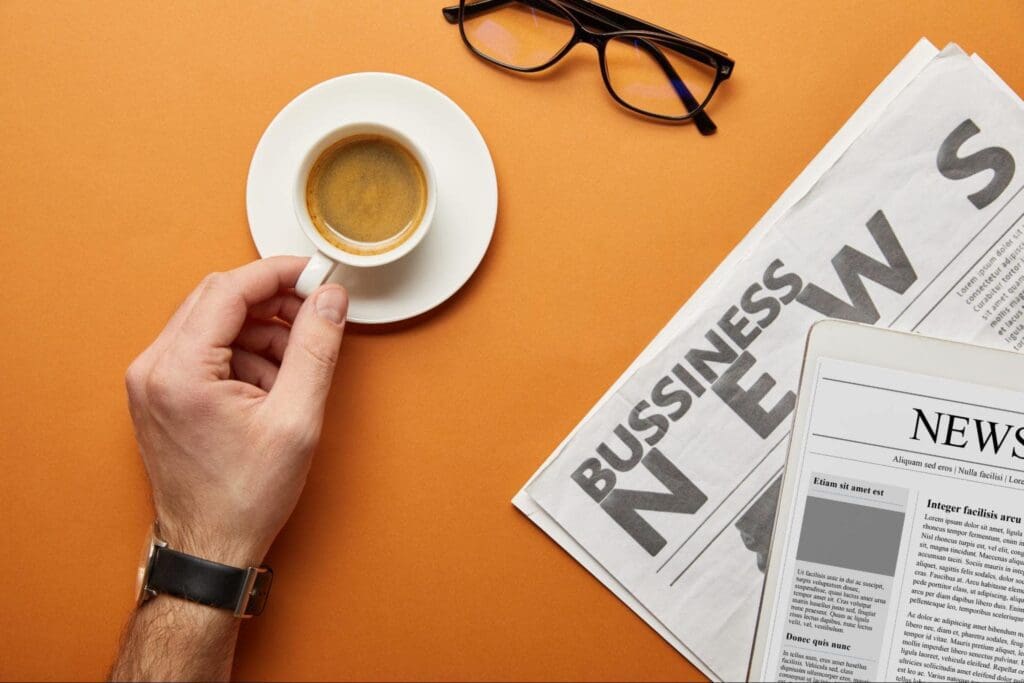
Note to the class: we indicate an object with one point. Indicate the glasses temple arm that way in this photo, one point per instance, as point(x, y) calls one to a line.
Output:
point(451, 14)
point(624, 22)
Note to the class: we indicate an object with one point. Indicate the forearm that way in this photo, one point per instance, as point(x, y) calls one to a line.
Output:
point(172, 639)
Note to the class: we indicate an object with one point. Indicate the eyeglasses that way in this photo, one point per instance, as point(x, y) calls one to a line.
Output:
point(647, 69)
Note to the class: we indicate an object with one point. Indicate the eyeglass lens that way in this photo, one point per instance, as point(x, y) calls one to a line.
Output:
point(516, 34)
point(649, 76)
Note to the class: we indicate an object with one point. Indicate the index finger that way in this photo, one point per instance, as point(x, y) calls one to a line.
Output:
point(223, 300)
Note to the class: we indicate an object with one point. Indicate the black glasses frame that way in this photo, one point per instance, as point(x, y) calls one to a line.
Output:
point(596, 25)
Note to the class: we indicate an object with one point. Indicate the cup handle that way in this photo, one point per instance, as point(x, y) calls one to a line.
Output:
point(315, 274)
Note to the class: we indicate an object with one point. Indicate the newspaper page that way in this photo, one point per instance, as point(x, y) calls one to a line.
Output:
point(902, 554)
point(669, 485)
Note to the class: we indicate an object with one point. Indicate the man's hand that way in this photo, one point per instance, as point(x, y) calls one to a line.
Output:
point(227, 404)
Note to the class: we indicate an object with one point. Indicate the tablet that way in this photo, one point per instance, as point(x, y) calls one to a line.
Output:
point(898, 544)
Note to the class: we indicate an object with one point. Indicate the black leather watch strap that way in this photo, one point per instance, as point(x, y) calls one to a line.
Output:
point(208, 583)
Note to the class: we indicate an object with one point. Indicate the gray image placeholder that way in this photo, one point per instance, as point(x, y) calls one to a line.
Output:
point(851, 536)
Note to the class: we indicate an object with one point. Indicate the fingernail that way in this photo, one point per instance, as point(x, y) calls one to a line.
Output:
point(331, 304)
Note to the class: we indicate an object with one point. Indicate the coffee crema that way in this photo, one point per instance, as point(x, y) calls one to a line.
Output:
point(366, 194)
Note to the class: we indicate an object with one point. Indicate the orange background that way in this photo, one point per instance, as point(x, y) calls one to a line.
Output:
point(126, 131)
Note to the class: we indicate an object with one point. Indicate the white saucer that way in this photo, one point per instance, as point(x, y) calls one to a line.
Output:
point(467, 189)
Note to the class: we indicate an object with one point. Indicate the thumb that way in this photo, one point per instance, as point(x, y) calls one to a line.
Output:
point(312, 352)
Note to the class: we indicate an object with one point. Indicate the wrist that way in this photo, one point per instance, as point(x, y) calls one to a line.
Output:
point(224, 548)
point(199, 568)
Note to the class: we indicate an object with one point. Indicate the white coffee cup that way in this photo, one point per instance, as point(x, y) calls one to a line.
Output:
point(327, 255)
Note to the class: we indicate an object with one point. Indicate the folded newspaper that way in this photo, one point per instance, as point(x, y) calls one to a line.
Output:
point(910, 218)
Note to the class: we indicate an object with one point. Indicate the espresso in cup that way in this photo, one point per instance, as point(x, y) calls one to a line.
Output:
point(366, 194)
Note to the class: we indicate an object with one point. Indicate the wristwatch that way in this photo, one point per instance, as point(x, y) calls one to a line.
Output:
point(163, 570)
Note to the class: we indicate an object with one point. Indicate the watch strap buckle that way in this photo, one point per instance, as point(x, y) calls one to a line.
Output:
point(255, 590)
